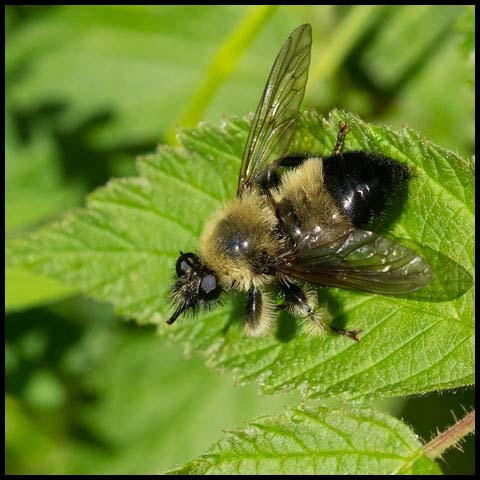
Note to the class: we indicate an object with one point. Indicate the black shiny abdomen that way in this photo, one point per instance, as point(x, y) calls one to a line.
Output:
point(365, 185)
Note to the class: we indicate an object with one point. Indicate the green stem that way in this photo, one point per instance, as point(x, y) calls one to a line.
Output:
point(222, 66)
point(450, 437)
point(442, 442)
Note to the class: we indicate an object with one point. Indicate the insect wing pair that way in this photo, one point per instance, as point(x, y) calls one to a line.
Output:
point(335, 251)
point(339, 257)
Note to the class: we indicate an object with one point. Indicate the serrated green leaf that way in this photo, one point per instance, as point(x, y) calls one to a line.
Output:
point(316, 441)
point(122, 248)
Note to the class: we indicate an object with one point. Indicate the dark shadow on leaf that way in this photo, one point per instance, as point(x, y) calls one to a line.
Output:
point(286, 326)
point(450, 279)
point(383, 223)
point(238, 313)
point(335, 308)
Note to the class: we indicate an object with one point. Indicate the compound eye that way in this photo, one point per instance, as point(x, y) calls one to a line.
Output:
point(185, 262)
point(209, 288)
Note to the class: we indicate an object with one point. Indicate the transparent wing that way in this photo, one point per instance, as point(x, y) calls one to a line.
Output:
point(274, 123)
point(347, 257)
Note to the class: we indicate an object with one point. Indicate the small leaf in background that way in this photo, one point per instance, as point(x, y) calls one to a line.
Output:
point(122, 248)
point(35, 188)
point(388, 78)
point(148, 62)
point(316, 441)
point(35, 191)
point(388, 61)
point(431, 92)
point(24, 289)
point(75, 119)
point(90, 394)
point(466, 30)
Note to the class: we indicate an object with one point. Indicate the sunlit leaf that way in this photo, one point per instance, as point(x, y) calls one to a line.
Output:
point(316, 441)
point(123, 246)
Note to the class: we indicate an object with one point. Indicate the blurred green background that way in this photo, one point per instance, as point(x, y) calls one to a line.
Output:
point(90, 88)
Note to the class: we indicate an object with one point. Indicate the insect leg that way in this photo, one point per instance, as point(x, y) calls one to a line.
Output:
point(296, 300)
point(342, 133)
point(302, 303)
point(349, 333)
point(317, 325)
point(260, 312)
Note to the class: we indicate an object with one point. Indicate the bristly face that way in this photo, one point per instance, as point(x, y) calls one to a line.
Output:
point(196, 284)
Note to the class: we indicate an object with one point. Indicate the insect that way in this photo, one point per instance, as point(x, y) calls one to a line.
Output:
point(298, 221)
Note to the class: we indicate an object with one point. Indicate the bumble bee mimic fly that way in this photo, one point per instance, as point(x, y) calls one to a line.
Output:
point(301, 229)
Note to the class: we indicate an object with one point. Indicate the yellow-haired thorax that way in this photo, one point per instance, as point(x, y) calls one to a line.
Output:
point(237, 238)
point(304, 189)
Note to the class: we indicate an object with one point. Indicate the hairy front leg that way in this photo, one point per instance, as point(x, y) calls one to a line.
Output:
point(260, 312)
